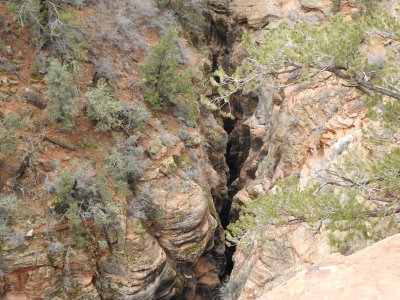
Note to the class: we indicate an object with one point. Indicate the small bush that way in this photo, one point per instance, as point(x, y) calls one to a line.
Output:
point(128, 21)
point(190, 140)
point(108, 112)
point(80, 199)
point(188, 11)
point(6, 65)
point(3, 24)
point(135, 115)
point(143, 207)
point(102, 107)
point(125, 163)
point(7, 134)
point(53, 24)
point(104, 68)
point(63, 91)
point(187, 111)
point(8, 206)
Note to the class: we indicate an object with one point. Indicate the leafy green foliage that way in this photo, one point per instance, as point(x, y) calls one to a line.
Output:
point(102, 107)
point(347, 212)
point(333, 44)
point(162, 3)
point(75, 225)
point(166, 81)
point(63, 91)
point(65, 189)
point(53, 23)
point(8, 125)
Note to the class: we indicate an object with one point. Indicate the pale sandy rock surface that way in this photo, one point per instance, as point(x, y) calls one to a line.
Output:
point(370, 274)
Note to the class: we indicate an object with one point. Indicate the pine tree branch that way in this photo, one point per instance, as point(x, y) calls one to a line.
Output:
point(362, 84)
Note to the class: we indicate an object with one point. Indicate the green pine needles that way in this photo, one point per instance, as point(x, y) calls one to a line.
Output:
point(8, 125)
point(357, 201)
point(62, 90)
point(102, 107)
point(167, 82)
point(304, 51)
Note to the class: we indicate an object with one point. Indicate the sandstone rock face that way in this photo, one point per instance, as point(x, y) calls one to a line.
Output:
point(371, 273)
point(322, 5)
point(295, 131)
point(275, 255)
point(259, 14)
point(164, 238)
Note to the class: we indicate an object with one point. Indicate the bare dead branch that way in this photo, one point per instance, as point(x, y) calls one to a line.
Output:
point(53, 141)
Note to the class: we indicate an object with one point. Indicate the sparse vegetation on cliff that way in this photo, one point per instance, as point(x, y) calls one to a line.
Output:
point(350, 200)
point(80, 198)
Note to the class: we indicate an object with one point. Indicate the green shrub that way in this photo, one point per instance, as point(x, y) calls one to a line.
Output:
point(102, 107)
point(108, 112)
point(75, 225)
point(80, 199)
point(125, 163)
point(53, 24)
point(167, 82)
point(364, 7)
point(135, 115)
point(66, 187)
point(162, 3)
point(61, 88)
point(8, 206)
point(8, 125)
point(188, 12)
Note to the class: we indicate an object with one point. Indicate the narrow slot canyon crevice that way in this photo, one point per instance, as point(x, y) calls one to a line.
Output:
point(237, 151)
point(220, 37)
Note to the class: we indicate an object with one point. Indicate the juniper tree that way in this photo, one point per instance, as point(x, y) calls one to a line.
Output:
point(167, 81)
point(61, 88)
